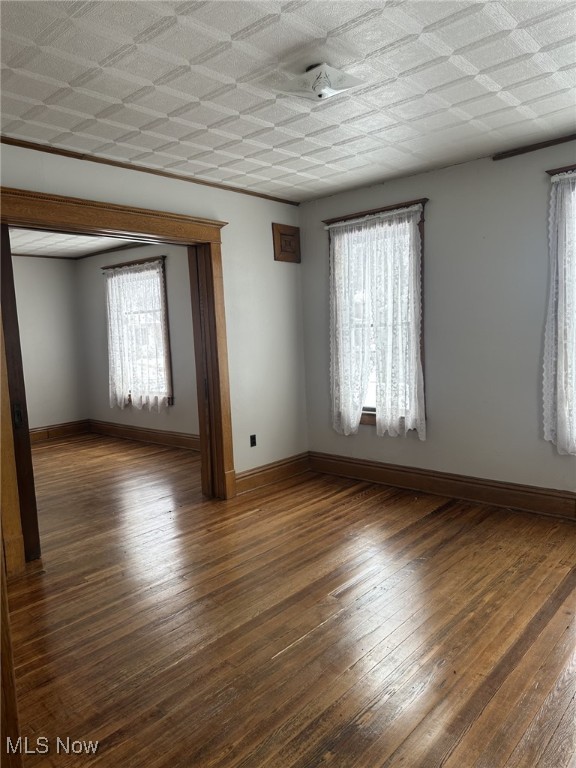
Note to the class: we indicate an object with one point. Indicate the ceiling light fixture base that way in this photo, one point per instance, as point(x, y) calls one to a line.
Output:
point(320, 82)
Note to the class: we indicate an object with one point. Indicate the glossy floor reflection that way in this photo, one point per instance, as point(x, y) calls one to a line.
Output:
point(320, 621)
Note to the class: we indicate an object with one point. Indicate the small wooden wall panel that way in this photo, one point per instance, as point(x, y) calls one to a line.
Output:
point(286, 243)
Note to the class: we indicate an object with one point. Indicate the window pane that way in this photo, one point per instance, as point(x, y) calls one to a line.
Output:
point(138, 337)
point(375, 322)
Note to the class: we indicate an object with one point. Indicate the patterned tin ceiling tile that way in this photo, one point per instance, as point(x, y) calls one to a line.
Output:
point(195, 86)
point(54, 244)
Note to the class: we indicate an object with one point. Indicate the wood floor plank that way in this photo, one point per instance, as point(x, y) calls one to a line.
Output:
point(502, 723)
point(561, 748)
point(552, 719)
point(459, 705)
point(408, 686)
point(318, 621)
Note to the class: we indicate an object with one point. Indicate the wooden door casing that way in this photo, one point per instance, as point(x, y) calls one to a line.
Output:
point(51, 212)
point(17, 405)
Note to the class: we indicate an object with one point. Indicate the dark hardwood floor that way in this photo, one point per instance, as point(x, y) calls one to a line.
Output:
point(317, 622)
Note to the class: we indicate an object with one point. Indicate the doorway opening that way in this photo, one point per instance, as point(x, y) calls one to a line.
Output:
point(63, 314)
point(33, 210)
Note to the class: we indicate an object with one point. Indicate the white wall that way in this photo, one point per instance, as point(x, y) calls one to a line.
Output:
point(91, 285)
point(47, 305)
point(485, 289)
point(486, 277)
point(263, 297)
point(265, 342)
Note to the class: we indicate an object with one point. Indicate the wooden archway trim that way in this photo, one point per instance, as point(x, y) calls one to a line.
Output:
point(9, 706)
point(207, 292)
point(15, 393)
point(25, 208)
point(12, 539)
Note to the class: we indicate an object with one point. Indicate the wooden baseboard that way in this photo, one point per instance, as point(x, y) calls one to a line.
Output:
point(56, 431)
point(158, 436)
point(272, 473)
point(529, 498)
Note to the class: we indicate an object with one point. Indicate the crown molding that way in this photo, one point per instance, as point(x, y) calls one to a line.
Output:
point(26, 209)
point(533, 147)
point(140, 168)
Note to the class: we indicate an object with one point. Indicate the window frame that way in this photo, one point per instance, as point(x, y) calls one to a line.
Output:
point(552, 436)
point(368, 417)
point(166, 318)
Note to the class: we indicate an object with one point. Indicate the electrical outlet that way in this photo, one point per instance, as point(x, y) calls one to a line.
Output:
point(252, 441)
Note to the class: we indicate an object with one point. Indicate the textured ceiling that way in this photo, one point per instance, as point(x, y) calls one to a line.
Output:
point(28, 242)
point(191, 87)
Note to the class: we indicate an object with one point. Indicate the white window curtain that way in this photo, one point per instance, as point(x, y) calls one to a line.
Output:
point(138, 340)
point(560, 335)
point(375, 321)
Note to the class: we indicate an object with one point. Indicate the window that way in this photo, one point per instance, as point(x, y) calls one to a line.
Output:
point(138, 339)
point(375, 320)
point(560, 335)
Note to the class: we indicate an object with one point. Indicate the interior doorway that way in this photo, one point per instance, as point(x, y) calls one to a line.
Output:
point(202, 238)
point(60, 285)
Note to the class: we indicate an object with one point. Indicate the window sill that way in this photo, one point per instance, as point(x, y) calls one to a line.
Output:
point(368, 418)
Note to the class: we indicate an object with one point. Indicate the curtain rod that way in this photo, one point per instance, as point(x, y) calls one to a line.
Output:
point(564, 169)
point(422, 201)
point(135, 262)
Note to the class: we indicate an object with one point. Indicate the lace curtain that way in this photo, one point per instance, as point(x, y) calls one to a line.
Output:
point(138, 346)
point(560, 335)
point(375, 321)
